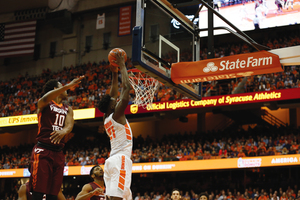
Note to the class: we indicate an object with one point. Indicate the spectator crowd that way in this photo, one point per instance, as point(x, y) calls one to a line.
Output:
point(173, 147)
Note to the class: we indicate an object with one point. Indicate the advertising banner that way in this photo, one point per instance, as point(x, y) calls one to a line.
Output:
point(87, 113)
point(175, 166)
point(215, 101)
point(262, 62)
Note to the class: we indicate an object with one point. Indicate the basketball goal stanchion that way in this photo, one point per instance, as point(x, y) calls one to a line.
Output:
point(144, 87)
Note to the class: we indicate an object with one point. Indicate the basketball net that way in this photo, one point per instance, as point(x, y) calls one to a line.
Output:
point(144, 87)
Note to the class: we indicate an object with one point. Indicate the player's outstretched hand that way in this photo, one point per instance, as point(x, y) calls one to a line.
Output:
point(120, 60)
point(57, 136)
point(98, 191)
point(75, 82)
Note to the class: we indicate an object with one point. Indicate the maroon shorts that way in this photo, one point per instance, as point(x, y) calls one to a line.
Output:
point(47, 168)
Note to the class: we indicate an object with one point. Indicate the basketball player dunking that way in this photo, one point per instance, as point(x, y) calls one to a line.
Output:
point(55, 120)
point(93, 190)
point(118, 167)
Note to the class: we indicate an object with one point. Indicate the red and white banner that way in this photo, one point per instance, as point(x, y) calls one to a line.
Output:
point(228, 67)
point(125, 20)
point(17, 39)
point(100, 21)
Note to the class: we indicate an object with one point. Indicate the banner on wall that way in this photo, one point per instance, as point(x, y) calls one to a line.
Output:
point(175, 166)
point(88, 113)
point(125, 16)
point(215, 101)
point(100, 21)
point(248, 64)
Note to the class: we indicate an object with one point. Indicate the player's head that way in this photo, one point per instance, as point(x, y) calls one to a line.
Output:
point(96, 172)
point(203, 196)
point(53, 84)
point(107, 102)
point(175, 194)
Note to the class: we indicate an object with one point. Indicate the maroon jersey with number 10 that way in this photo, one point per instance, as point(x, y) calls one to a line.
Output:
point(52, 118)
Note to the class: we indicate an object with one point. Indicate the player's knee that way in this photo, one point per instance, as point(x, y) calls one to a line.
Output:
point(37, 196)
point(51, 197)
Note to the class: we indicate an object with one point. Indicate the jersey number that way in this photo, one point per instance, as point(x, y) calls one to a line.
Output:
point(111, 132)
point(110, 129)
point(60, 119)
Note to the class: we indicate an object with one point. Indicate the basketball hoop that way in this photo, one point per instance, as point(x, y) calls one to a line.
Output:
point(144, 87)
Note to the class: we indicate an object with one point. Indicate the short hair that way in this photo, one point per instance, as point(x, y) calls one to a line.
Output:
point(175, 189)
point(50, 85)
point(104, 103)
point(203, 194)
point(92, 170)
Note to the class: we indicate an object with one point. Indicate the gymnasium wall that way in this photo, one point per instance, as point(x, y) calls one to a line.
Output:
point(84, 25)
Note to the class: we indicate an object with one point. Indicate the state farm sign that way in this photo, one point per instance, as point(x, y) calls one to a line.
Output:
point(241, 65)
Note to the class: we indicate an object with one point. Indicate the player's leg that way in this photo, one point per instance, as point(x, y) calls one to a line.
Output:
point(40, 172)
point(128, 168)
point(120, 177)
point(107, 178)
point(58, 173)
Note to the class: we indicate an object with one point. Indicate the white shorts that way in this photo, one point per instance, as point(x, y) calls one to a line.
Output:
point(117, 176)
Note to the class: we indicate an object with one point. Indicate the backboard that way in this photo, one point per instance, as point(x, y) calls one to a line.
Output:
point(160, 40)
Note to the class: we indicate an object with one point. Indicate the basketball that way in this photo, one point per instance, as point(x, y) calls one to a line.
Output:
point(112, 55)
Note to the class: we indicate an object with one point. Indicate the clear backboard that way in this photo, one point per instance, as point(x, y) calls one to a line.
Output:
point(157, 43)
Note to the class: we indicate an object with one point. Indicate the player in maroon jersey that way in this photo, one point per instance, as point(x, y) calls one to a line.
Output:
point(25, 194)
point(93, 190)
point(55, 120)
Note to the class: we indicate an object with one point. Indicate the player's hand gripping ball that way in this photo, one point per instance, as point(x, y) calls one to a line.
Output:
point(112, 56)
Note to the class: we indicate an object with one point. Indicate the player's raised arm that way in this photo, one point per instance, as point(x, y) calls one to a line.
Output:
point(87, 192)
point(57, 136)
point(22, 193)
point(124, 97)
point(52, 94)
point(114, 83)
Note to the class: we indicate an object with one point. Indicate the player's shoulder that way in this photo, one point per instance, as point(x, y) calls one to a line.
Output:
point(88, 187)
point(108, 116)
